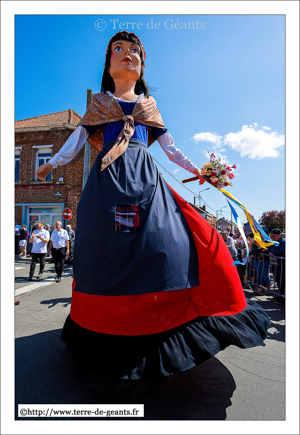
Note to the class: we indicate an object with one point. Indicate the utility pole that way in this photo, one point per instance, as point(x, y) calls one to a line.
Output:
point(87, 147)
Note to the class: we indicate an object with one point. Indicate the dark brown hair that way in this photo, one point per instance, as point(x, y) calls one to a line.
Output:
point(107, 83)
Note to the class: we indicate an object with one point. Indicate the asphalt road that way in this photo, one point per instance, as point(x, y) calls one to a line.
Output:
point(235, 385)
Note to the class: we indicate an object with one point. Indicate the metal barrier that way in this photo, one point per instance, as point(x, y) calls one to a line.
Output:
point(264, 273)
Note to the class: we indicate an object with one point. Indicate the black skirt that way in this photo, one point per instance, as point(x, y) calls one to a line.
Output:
point(168, 352)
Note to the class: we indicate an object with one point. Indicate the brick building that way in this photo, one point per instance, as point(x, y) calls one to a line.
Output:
point(36, 141)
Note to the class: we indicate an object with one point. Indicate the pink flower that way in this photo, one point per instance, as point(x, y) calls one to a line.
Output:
point(214, 180)
point(231, 176)
point(226, 184)
point(213, 174)
point(223, 172)
point(234, 167)
point(228, 167)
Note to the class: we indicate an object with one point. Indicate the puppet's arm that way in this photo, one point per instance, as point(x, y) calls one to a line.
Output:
point(71, 147)
point(68, 151)
point(175, 155)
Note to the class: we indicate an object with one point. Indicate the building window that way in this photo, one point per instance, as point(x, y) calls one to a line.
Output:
point(43, 156)
point(48, 215)
point(17, 167)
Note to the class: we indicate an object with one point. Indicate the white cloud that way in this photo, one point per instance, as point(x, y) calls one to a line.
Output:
point(176, 170)
point(209, 137)
point(251, 141)
point(255, 143)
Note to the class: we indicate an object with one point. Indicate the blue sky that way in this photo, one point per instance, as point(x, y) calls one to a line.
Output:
point(219, 83)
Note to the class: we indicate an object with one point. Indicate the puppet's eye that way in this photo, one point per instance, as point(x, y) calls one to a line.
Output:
point(118, 49)
point(134, 50)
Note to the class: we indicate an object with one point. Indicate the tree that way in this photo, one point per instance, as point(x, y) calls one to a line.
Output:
point(273, 219)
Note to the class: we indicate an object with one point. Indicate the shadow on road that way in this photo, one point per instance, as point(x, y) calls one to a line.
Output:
point(276, 313)
point(53, 302)
point(47, 373)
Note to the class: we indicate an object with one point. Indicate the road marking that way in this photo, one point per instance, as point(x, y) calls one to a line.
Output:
point(18, 268)
point(39, 284)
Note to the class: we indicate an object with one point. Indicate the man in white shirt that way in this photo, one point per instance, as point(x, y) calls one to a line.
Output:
point(39, 239)
point(59, 243)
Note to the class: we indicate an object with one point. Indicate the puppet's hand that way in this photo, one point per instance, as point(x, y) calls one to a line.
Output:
point(198, 172)
point(42, 172)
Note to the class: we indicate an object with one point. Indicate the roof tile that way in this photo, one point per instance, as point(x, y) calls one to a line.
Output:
point(57, 118)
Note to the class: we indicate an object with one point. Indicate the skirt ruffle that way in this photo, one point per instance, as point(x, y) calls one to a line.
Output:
point(169, 352)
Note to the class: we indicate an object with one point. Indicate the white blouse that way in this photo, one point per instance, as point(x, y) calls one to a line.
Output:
point(78, 138)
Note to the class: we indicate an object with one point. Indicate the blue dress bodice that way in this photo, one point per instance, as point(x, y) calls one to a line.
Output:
point(113, 129)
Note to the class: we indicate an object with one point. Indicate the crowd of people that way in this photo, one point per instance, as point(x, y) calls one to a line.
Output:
point(261, 263)
point(40, 241)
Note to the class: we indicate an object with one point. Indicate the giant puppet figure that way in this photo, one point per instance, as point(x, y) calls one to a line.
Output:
point(154, 290)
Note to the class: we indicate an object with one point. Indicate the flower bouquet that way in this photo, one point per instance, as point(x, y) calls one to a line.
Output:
point(217, 173)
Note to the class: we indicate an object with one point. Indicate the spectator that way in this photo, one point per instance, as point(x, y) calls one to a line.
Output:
point(32, 227)
point(239, 246)
point(261, 263)
point(27, 233)
point(278, 264)
point(52, 228)
point(23, 241)
point(71, 235)
point(247, 230)
point(60, 248)
point(39, 239)
point(49, 231)
point(249, 270)
point(237, 233)
point(244, 266)
point(230, 234)
point(17, 237)
point(230, 243)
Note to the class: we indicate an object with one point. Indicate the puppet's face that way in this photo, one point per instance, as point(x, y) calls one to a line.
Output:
point(125, 61)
